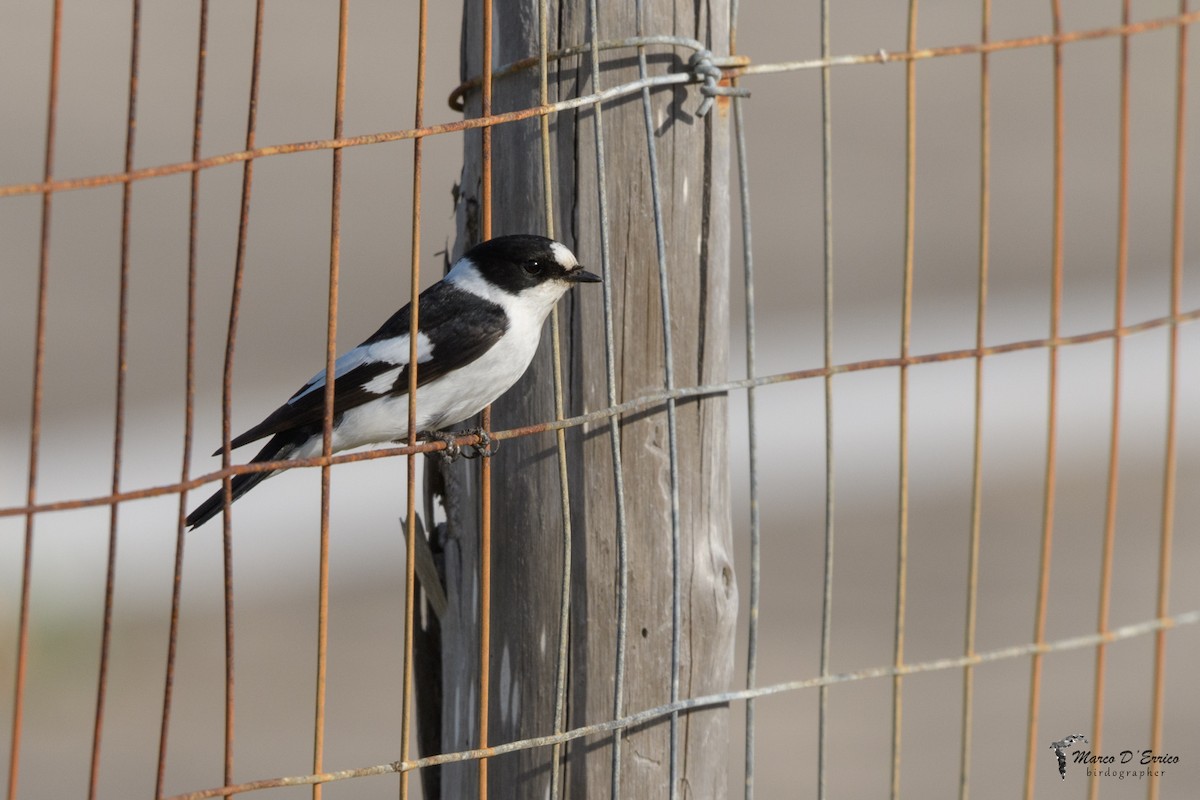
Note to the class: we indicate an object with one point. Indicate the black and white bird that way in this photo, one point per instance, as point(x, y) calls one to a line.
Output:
point(478, 330)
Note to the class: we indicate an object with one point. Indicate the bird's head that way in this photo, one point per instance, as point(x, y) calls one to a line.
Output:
point(529, 267)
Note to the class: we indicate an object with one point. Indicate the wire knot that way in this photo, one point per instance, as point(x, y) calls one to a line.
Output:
point(705, 71)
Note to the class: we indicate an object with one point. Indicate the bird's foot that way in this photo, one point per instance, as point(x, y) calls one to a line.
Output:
point(487, 446)
point(453, 449)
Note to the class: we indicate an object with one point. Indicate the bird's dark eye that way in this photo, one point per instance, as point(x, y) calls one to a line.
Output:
point(533, 267)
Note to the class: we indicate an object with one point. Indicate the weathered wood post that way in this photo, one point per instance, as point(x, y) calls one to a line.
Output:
point(693, 158)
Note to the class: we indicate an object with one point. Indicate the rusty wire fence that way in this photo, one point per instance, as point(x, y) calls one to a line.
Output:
point(763, 743)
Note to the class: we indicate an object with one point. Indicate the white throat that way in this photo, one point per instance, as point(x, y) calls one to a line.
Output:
point(533, 303)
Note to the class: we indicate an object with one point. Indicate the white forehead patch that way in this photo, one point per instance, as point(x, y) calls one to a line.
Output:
point(565, 258)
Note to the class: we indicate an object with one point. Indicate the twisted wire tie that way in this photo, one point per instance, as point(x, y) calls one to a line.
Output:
point(703, 67)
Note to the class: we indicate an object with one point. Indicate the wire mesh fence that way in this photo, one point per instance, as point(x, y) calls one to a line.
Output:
point(938, 452)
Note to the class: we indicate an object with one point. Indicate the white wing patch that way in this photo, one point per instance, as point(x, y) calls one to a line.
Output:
point(388, 351)
point(382, 383)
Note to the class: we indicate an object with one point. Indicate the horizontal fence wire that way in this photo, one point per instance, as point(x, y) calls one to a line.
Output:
point(1085, 641)
point(731, 68)
point(641, 403)
point(612, 93)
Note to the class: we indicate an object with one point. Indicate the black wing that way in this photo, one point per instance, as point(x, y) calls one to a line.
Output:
point(460, 326)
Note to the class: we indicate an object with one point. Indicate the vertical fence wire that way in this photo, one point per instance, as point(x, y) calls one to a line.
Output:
point(664, 295)
point(485, 468)
point(755, 532)
point(614, 425)
point(827, 360)
point(335, 255)
point(560, 435)
point(35, 415)
point(1170, 457)
point(910, 207)
point(189, 407)
point(235, 304)
point(1110, 504)
point(227, 382)
point(1056, 282)
point(752, 443)
point(410, 540)
point(972, 602)
point(1053, 343)
point(110, 570)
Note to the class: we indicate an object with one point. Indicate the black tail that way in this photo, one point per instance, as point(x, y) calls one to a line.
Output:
point(279, 447)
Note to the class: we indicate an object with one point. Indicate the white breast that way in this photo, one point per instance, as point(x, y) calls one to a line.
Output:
point(462, 393)
point(446, 401)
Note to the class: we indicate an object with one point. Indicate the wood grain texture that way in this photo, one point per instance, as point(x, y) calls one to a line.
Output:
point(693, 155)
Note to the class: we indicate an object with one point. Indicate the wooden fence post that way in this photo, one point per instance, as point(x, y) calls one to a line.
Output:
point(693, 158)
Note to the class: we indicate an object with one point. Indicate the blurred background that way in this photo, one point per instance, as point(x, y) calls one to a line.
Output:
point(281, 342)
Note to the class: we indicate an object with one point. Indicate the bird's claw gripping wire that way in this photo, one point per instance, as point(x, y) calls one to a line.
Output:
point(487, 446)
point(705, 71)
point(453, 449)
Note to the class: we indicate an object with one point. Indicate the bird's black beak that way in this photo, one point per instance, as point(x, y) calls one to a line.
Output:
point(582, 276)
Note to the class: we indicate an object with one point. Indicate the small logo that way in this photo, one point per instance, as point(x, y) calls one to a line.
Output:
point(1061, 747)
